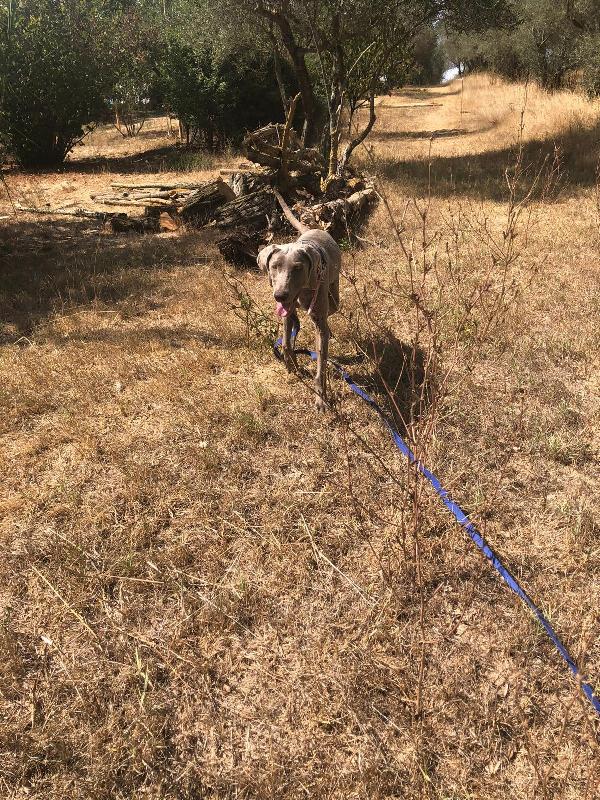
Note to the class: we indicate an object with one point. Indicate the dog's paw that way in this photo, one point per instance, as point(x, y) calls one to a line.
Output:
point(320, 404)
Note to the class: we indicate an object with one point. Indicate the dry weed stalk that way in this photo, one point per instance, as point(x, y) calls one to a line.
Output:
point(451, 303)
point(257, 322)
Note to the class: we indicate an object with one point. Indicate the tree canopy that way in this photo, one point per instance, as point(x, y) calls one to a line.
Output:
point(549, 42)
point(225, 66)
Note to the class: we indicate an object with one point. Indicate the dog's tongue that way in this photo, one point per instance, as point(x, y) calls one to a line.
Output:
point(281, 310)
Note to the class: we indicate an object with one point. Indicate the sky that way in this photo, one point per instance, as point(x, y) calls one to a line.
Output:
point(450, 74)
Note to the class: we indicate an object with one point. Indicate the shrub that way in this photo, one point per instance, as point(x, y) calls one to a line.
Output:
point(429, 58)
point(54, 74)
point(218, 95)
point(590, 60)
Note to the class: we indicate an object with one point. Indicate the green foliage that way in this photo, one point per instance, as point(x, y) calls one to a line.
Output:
point(65, 63)
point(589, 55)
point(54, 74)
point(535, 39)
point(218, 95)
point(429, 59)
point(135, 48)
point(378, 44)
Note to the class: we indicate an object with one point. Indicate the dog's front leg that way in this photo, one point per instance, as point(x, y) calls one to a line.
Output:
point(322, 337)
point(289, 357)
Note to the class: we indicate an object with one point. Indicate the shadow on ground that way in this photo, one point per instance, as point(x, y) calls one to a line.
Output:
point(483, 175)
point(395, 372)
point(169, 158)
point(173, 337)
point(417, 93)
point(54, 265)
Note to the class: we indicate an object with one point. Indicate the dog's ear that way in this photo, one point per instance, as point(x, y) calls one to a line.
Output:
point(264, 256)
point(314, 256)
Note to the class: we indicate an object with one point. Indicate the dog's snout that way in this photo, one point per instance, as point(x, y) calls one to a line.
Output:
point(281, 297)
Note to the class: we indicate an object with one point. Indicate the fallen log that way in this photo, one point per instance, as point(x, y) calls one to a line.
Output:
point(168, 222)
point(337, 216)
point(243, 183)
point(271, 156)
point(167, 205)
point(144, 195)
point(163, 220)
point(241, 248)
point(69, 212)
point(200, 206)
point(251, 211)
point(121, 223)
point(239, 168)
point(117, 222)
point(160, 186)
point(267, 145)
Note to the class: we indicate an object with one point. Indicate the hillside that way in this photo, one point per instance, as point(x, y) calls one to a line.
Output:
point(211, 591)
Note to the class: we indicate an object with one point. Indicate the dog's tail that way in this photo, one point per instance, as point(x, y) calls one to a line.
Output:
point(295, 223)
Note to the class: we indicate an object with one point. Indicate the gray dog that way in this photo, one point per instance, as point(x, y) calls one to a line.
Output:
point(306, 273)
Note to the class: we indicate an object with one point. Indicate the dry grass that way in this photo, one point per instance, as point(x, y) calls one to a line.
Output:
point(210, 592)
point(473, 128)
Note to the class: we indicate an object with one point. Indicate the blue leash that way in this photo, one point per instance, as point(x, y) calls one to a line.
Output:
point(460, 516)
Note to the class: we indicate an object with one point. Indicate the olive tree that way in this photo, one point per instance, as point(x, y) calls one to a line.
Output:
point(534, 39)
point(345, 52)
point(217, 95)
point(54, 75)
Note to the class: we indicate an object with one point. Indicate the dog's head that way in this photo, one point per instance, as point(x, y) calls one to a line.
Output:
point(291, 268)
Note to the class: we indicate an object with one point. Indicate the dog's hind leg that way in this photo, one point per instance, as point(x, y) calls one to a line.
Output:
point(322, 337)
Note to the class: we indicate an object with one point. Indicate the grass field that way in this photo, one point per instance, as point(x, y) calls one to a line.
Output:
point(208, 590)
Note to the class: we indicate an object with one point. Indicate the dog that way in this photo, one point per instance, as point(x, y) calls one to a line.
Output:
point(305, 273)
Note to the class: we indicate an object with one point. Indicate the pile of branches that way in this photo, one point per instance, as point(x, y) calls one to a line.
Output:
point(338, 205)
point(168, 206)
point(243, 209)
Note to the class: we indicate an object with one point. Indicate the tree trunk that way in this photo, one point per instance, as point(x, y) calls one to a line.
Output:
point(309, 104)
point(336, 101)
point(335, 119)
point(250, 211)
point(278, 72)
point(283, 176)
point(359, 139)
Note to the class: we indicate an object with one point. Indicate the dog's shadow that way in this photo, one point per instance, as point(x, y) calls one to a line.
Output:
point(396, 373)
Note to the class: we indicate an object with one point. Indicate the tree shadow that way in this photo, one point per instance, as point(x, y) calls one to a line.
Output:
point(422, 93)
point(483, 175)
point(395, 371)
point(173, 336)
point(62, 263)
point(166, 158)
point(443, 133)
